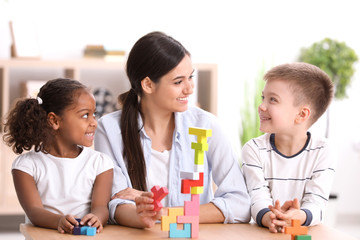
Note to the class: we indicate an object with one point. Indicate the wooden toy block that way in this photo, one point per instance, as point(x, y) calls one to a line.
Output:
point(199, 168)
point(197, 190)
point(303, 237)
point(192, 208)
point(199, 157)
point(200, 132)
point(201, 139)
point(77, 230)
point(83, 230)
point(190, 175)
point(296, 229)
point(180, 233)
point(171, 218)
point(200, 146)
point(91, 231)
point(186, 184)
point(194, 221)
point(159, 193)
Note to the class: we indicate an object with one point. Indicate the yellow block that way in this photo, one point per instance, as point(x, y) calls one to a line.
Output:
point(199, 157)
point(200, 146)
point(197, 190)
point(200, 132)
point(171, 218)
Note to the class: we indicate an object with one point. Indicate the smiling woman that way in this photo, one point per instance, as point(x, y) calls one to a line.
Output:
point(149, 141)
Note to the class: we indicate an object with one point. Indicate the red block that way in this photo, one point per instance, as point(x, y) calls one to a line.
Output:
point(186, 184)
point(159, 194)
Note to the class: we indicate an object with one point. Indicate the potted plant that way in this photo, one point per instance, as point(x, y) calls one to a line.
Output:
point(337, 60)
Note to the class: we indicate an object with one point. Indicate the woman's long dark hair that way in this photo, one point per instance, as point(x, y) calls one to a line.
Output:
point(153, 56)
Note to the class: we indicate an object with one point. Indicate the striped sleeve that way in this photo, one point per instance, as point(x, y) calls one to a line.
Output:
point(317, 189)
point(257, 186)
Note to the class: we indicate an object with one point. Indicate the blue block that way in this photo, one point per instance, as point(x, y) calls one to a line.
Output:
point(84, 230)
point(175, 233)
point(91, 231)
point(77, 231)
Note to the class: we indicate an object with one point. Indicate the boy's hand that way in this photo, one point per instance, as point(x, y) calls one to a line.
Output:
point(267, 221)
point(289, 210)
point(145, 210)
point(92, 220)
point(66, 224)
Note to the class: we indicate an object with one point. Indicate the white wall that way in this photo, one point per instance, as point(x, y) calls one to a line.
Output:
point(237, 35)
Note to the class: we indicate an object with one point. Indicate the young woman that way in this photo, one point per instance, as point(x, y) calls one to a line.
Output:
point(61, 178)
point(150, 144)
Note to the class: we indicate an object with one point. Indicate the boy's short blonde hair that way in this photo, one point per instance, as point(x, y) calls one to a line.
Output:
point(310, 85)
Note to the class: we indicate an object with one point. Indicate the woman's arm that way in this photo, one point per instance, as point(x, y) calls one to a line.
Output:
point(30, 201)
point(231, 196)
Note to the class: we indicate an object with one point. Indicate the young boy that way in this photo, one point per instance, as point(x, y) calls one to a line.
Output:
point(287, 165)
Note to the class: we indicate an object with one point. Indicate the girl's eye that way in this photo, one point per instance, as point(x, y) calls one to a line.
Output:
point(95, 114)
point(262, 98)
point(273, 99)
point(85, 116)
point(178, 82)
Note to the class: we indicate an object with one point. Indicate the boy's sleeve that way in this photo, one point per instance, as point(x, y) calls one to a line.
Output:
point(317, 189)
point(257, 186)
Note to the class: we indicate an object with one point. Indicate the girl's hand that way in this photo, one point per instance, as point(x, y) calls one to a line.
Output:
point(92, 220)
point(128, 193)
point(66, 224)
point(145, 210)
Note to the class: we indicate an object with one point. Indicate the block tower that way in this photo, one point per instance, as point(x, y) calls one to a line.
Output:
point(191, 183)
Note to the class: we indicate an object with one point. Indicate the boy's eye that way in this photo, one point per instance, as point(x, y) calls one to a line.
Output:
point(272, 99)
point(262, 97)
point(85, 116)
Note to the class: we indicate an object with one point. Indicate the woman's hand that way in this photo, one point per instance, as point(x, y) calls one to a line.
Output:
point(128, 194)
point(145, 210)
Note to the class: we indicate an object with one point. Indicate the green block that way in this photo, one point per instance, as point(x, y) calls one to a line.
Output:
point(302, 237)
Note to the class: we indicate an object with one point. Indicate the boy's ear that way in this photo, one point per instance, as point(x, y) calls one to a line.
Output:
point(53, 120)
point(303, 115)
point(147, 85)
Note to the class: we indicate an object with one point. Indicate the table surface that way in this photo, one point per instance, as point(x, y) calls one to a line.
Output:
point(206, 231)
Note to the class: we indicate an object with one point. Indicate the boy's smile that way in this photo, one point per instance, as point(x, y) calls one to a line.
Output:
point(277, 111)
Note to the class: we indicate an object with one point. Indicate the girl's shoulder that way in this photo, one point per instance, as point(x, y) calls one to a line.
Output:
point(92, 155)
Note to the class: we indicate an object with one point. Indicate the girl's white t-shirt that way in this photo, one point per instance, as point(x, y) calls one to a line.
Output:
point(64, 184)
point(158, 171)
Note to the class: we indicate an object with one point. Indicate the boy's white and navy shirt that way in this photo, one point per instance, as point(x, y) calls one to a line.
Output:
point(271, 176)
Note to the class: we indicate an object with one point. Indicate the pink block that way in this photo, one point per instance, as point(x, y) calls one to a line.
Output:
point(194, 220)
point(192, 208)
point(159, 193)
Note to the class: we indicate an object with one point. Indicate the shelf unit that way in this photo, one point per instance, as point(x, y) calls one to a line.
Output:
point(91, 72)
